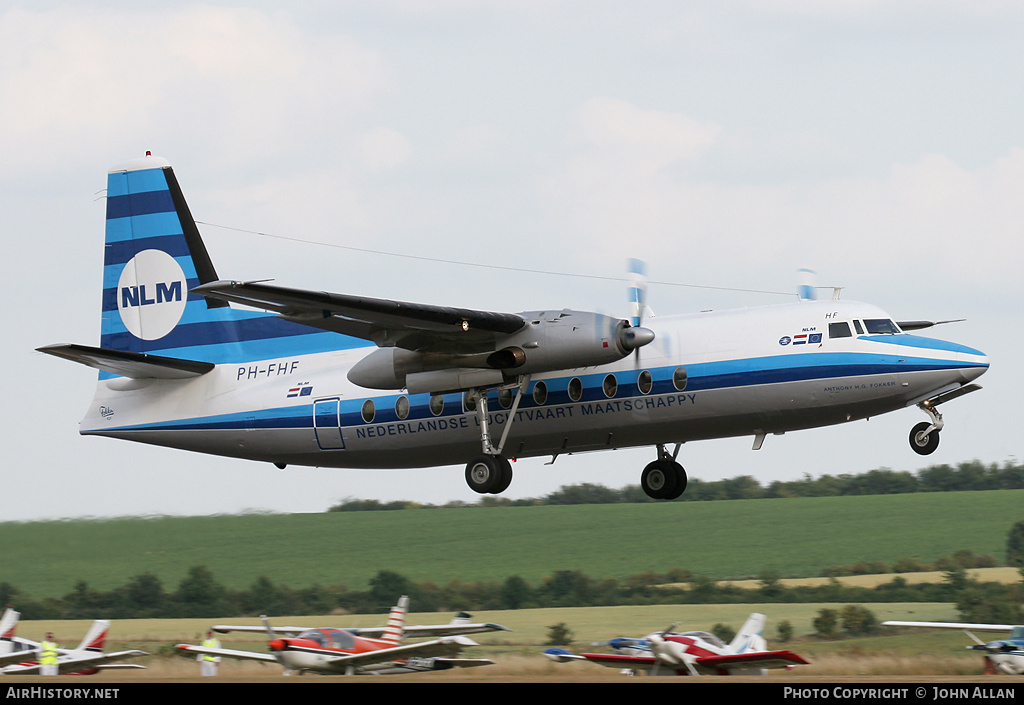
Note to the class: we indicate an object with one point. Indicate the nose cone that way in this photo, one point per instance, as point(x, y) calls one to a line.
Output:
point(975, 363)
point(636, 337)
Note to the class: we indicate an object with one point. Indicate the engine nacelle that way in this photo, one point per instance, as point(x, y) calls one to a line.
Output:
point(550, 342)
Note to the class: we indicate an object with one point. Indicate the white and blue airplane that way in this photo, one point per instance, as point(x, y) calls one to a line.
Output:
point(288, 376)
point(1004, 656)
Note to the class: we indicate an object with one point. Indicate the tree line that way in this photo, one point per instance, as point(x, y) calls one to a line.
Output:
point(199, 594)
point(966, 476)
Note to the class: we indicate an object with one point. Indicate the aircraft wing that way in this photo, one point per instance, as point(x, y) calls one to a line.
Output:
point(18, 657)
point(225, 628)
point(412, 326)
point(610, 660)
point(446, 646)
point(227, 653)
point(762, 659)
point(953, 625)
point(80, 662)
point(433, 630)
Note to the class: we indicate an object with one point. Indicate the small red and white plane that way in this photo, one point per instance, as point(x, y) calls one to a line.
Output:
point(17, 655)
point(669, 653)
point(374, 650)
point(12, 648)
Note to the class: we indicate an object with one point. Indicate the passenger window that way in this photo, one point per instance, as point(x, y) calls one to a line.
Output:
point(540, 393)
point(644, 382)
point(575, 389)
point(436, 404)
point(839, 330)
point(610, 386)
point(368, 411)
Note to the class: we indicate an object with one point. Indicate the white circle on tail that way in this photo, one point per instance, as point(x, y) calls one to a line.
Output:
point(151, 294)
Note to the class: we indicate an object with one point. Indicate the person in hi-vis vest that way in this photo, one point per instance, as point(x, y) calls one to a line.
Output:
point(48, 656)
point(208, 662)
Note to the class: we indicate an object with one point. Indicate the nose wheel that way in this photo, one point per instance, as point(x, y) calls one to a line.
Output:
point(924, 438)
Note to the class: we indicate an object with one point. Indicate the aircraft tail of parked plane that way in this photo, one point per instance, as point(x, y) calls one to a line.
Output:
point(86, 659)
point(336, 380)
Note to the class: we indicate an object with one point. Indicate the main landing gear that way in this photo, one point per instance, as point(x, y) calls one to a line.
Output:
point(664, 478)
point(490, 472)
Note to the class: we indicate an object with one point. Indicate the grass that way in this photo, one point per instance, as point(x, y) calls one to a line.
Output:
point(518, 653)
point(722, 540)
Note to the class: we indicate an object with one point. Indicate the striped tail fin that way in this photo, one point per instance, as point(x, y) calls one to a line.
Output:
point(154, 256)
point(395, 628)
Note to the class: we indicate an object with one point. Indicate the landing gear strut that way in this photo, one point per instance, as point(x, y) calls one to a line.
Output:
point(924, 437)
point(664, 478)
point(490, 472)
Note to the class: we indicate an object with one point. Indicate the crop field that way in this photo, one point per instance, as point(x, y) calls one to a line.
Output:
point(739, 539)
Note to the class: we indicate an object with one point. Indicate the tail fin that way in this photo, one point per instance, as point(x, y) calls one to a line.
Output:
point(749, 638)
point(96, 637)
point(8, 623)
point(154, 257)
point(395, 629)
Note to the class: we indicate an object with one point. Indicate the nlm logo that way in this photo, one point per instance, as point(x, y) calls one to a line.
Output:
point(151, 294)
point(136, 295)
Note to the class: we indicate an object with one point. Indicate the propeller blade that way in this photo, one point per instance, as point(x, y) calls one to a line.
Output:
point(637, 289)
point(805, 284)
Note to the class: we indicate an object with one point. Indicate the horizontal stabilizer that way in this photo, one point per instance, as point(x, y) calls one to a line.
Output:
point(129, 364)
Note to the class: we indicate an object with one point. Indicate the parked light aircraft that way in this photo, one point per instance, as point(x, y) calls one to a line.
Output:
point(669, 653)
point(14, 649)
point(356, 651)
point(334, 380)
point(19, 657)
point(1001, 656)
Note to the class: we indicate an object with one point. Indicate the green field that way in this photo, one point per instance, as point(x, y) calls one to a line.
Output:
point(722, 540)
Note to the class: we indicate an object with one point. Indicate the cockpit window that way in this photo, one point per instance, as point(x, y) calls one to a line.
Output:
point(708, 637)
point(315, 635)
point(839, 330)
point(881, 326)
point(342, 640)
point(857, 326)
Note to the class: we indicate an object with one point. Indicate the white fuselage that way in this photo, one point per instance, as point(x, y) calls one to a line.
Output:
point(715, 374)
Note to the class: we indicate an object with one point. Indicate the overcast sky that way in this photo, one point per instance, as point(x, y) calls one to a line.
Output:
point(727, 144)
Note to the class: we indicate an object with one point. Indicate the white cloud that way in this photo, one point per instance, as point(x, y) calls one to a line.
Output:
point(80, 81)
point(382, 148)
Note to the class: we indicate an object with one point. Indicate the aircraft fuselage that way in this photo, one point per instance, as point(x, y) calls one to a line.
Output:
point(744, 372)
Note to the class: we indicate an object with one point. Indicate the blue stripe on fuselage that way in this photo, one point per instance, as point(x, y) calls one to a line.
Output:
point(702, 377)
point(917, 341)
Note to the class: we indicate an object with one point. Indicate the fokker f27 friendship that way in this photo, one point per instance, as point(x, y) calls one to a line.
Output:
point(334, 380)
